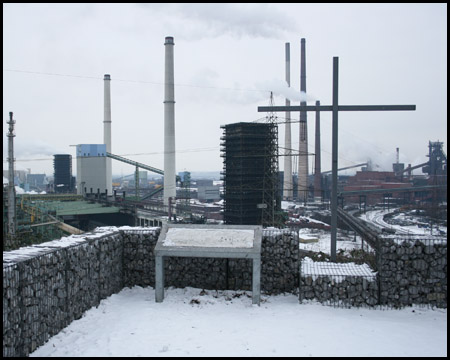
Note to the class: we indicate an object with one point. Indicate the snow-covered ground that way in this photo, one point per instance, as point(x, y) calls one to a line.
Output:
point(192, 322)
point(344, 241)
point(410, 224)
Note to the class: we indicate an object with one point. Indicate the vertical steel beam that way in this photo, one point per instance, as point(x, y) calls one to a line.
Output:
point(317, 167)
point(334, 157)
point(159, 278)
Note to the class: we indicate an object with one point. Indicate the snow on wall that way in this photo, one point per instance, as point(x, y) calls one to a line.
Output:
point(212, 238)
point(336, 271)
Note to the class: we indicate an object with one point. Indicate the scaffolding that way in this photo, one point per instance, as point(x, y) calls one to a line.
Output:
point(250, 174)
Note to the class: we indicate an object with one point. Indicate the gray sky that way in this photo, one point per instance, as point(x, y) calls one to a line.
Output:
point(227, 59)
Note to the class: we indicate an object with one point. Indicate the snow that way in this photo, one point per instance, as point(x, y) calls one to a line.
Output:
point(344, 242)
point(209, 237)
point(192, 322)
point(337, 271)
point(26, 252)
point(375, 217)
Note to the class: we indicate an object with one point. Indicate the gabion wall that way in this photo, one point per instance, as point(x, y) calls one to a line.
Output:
point(279, 265)
point(413, 271)
point(45, 293)
point(355, 291)
point(42, 294)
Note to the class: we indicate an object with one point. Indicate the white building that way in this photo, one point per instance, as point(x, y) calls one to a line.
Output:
point(91, 169)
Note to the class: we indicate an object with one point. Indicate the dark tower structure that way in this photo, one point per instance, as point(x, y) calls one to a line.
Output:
point(437, 169)
point(250, 174)
point(62, 165)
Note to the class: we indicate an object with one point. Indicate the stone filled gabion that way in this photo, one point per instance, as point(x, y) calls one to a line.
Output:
point(342, 290)
point(139, 257)
point(278, 273)
point(413, 272)
point(11, 311)
point(44, 293)
point(279, 262)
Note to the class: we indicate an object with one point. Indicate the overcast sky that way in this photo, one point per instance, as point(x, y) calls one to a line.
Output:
point(228, 57)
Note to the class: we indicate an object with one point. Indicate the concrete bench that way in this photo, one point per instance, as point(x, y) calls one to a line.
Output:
point(209, 241)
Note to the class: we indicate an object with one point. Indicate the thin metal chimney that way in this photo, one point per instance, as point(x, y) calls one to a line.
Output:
point(11, 187)
point(287, 183)
point(107, 131)
point(169, 123)
point(302, 192)
point(317, 166)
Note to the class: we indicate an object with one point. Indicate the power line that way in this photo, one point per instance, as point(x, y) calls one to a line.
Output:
point(135, 81)
point(138, 154)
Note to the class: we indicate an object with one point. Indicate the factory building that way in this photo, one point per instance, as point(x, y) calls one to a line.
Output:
point(92, 169)
point(208, 193)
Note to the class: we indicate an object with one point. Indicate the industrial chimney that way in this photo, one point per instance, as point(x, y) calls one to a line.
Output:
point(303, 146)
point(287, 183)
point(169, 123)
point(107, 131)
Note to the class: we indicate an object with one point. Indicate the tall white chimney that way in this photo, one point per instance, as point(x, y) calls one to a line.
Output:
point(169, 124)
point(107, 131)
point(287, 183)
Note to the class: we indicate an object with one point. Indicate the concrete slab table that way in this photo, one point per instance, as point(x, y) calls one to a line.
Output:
point(209, 241)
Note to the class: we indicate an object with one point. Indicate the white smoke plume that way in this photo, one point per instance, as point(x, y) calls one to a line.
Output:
point(281, 88)
point(218, 19)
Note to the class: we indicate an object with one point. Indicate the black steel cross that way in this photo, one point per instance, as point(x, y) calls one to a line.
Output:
point(335, 108)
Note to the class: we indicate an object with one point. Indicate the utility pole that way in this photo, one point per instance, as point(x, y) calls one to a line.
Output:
point(11, 189)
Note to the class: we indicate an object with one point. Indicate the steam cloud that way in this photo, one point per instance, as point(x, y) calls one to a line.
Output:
point(234, 19)
point(281, 88)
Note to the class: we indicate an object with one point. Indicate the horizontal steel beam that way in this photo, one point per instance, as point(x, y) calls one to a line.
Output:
point(344, 168)
point(340, 108)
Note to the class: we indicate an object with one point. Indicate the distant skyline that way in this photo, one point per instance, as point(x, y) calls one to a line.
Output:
point(228, 57)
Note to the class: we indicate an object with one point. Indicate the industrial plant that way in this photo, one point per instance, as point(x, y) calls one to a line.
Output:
point(372, 239)
point(249, 190)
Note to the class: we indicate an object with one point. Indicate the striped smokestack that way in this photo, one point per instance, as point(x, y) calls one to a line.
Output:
point(287, 183)
point(107, 130)
point(169, 123)
point(302, 192)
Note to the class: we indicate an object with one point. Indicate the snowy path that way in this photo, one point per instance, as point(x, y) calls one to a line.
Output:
point(132, 324)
